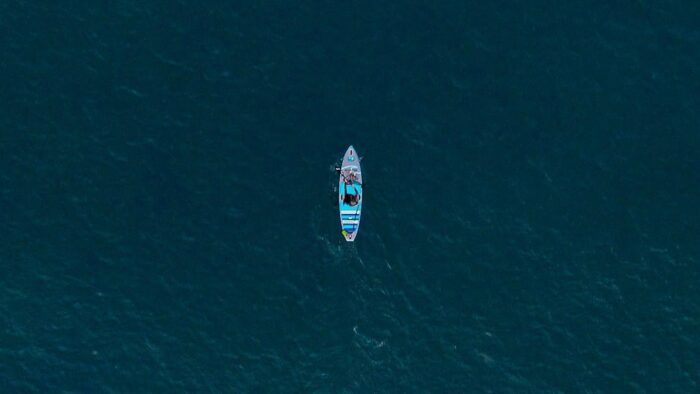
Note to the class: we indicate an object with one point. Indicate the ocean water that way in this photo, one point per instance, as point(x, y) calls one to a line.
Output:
point(531, 201)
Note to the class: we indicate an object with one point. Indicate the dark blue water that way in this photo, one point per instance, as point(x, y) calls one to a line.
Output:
point(531, 204)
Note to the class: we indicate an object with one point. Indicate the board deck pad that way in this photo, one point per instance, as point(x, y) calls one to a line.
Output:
point(350, 183)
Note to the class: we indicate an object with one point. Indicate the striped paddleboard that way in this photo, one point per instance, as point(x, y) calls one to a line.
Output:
point(350, 194)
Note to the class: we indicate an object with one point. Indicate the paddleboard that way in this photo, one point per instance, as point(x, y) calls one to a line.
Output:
point(350, 194)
